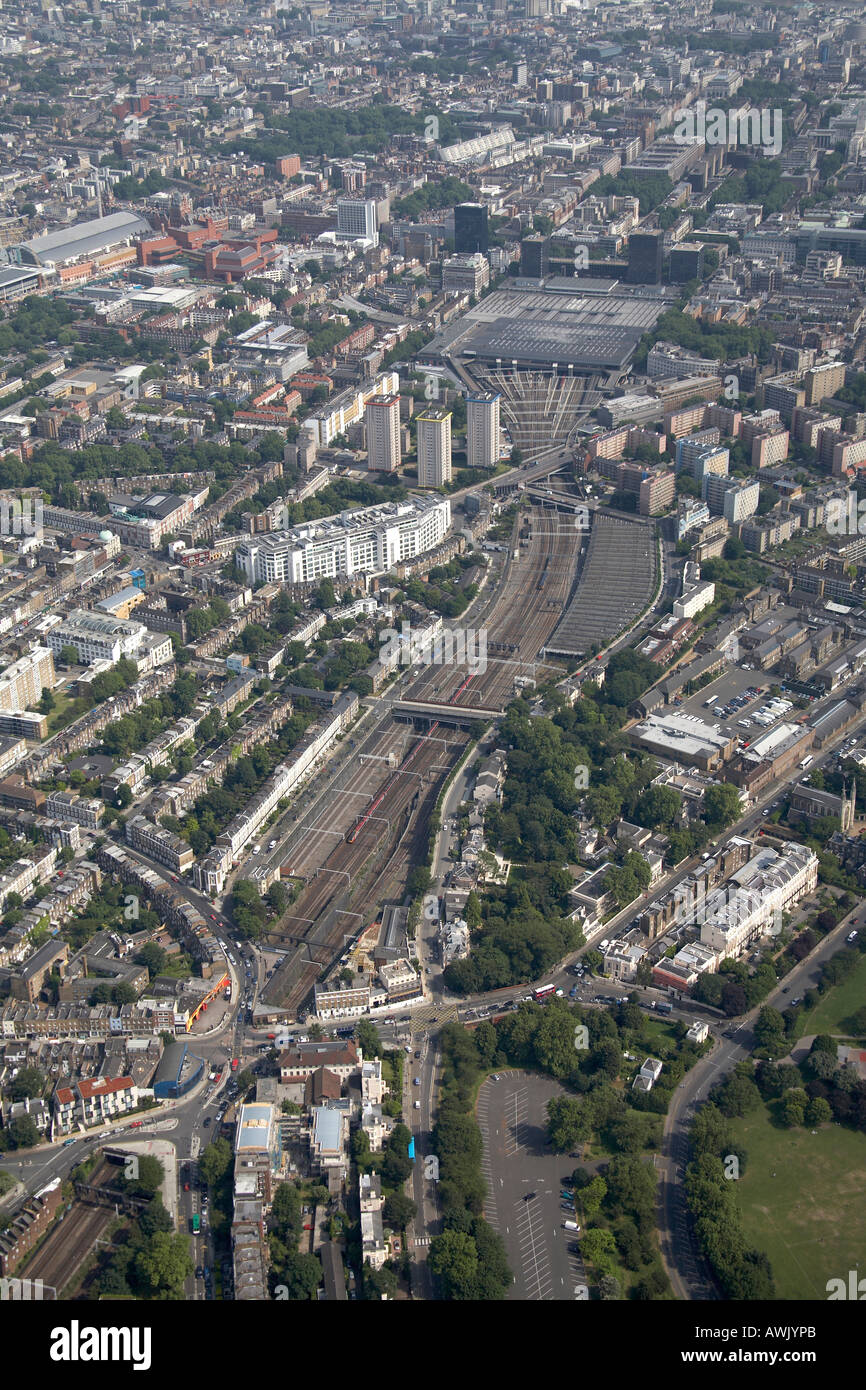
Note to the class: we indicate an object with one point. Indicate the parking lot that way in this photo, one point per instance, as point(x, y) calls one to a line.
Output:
point(524, 1180)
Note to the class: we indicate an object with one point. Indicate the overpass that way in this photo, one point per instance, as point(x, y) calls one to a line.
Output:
point(559, 501)
point(461, 716)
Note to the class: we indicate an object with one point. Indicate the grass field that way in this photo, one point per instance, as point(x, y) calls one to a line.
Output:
point(833, 1014)
point(810, 1219)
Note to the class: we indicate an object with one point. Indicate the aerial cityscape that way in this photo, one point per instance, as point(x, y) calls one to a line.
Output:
point(432, 655)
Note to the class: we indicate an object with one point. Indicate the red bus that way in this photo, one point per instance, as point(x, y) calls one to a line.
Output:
point(235, 1061)
point(544, 992)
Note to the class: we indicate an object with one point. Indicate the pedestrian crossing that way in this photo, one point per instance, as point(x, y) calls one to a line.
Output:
point(441, 1013)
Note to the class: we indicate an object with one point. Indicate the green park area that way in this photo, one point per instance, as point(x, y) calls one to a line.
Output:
point(802, 1200)
point(835, 1012)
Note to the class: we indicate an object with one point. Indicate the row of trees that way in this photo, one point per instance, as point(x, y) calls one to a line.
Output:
point(468, 1258)
point(742, 1271)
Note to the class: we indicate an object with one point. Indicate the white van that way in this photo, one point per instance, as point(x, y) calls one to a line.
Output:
point(570, 1226)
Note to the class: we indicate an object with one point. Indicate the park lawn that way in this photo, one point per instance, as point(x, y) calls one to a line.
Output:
point(833, 1013)
point(66, 708)
point(810, 1219)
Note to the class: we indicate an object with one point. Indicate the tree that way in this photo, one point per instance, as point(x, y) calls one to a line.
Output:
point(794, 1108)
point(567, 1125)
point(721, 805)
point(379, 1283)
point(24, 1132)
point(770, 1032)
point(658, 806)
point(151, 1175)
point(301, 1275)
point(598, 1248)
point(818, 1111)
point(399, 1210)
point(453, 1258)
point(397, 1165)
point(28, 1084)
point(123, 796)
point(592, 1196)
point(154, 957)
point(214, 1162)
point(368, 1039)
point(47, 701)
point(164, 1264)
point(609, 1288)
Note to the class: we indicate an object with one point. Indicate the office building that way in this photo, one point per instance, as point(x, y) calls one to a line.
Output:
point(356, 217)
point(470, 229)
point(96, 636)
point(434, 447)
point(687, 262)
point(534, 256)
point(469, 274)
point(645, 252)
point(482, 430)
point(382, 422)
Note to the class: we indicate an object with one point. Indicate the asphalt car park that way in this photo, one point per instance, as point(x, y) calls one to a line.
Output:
point(524, 1181)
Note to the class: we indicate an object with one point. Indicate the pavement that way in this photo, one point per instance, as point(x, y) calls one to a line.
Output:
point(524, 1181)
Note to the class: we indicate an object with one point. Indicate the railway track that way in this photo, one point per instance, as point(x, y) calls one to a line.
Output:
point(380, 822)
point(68, 1245)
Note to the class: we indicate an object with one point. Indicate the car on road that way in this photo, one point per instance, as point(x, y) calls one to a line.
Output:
point(207, 1122)
point(136, 1124)
point(199, 1272)
point(417, 1105)
point(417, 1055)
point(417, 1081)
point(213, 917)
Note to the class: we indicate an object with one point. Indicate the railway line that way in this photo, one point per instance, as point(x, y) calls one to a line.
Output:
point(379, 822)
point(68, 1244)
